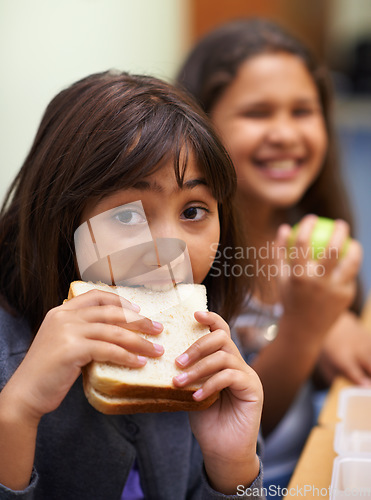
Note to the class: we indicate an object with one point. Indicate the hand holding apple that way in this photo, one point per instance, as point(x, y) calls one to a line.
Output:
point(320, 237)
point(319, 265)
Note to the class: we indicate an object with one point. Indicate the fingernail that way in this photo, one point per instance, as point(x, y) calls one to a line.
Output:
point(157, 325)
point(183, 359)
point(158, 348)
point(198, 394)
point(182, 377)
point(126, 304)
point(203, 314)
point(142, 360)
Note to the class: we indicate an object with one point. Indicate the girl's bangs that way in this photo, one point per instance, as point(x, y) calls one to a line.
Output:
point(176, 139)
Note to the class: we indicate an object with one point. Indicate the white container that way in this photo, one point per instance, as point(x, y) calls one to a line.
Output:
point(351, 477)
point(353, 433)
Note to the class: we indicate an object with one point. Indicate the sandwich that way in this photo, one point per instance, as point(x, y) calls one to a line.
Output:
point(114, 389)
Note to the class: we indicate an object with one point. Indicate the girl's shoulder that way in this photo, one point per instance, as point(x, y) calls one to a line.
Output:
point(254, 308)
point(14, 331)
point(15, 339)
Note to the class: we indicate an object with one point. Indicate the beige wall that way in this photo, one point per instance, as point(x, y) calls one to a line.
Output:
point(349, 20)
point(47, 44)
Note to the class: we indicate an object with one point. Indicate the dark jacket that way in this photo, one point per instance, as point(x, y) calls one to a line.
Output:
point(83, 454)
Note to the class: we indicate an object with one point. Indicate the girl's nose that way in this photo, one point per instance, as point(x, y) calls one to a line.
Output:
point(165, 251)
point(166, 244)
point(164, 229)
point(283, 130)
point(151, 257)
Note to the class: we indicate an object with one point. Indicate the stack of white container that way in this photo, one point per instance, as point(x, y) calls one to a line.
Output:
point(351, 476)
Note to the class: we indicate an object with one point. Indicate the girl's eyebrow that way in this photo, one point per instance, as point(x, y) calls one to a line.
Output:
point(154, 186)
point(192, 183)
point(308, 100)
point(266, 102)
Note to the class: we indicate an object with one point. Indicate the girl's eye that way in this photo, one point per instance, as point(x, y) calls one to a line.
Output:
point(195, 213)
point(256, 113)
point(130, 217)
point(302, 112)
point(257, 110)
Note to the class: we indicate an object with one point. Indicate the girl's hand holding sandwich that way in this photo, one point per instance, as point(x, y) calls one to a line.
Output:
point(226, 431)
point(97, 326)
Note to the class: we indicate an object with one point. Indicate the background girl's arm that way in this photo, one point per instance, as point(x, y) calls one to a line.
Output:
point(284, 366)
point(90, 327)
point(347, 351)
point(313, 298)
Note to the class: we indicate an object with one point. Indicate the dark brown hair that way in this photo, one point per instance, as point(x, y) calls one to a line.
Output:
point(213, 64)
point(102, 134)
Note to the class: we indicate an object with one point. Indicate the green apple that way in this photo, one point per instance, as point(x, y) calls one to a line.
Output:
point(320, 237)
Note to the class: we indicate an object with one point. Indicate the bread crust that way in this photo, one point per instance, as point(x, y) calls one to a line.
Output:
point(125, 406)
point(121, 389)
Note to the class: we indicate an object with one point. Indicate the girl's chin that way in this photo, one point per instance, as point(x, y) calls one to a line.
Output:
point(279, 200)
point(284, 199)
point(285, 205)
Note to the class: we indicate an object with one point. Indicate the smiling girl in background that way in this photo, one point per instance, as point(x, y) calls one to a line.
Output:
point(268, 100)
point(107, 141)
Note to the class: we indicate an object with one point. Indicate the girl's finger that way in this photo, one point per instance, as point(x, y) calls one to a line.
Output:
point(282, 251)
point(99, 298)
point(357, 374)
point(243, 385)
point(104, 352)
point(122, 338)
point(207, 367)
point(206, 345)
point(283, 236)
point(301, 253)
point(212, 320)
point(120, 316)
point(366, 366)
point(348, 266)
point(332, 253)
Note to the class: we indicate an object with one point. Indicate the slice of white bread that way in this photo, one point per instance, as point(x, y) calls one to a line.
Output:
point(116, 405)
point(116, 389)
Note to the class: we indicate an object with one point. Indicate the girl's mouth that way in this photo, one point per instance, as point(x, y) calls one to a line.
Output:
point(285, 168)
point(159, 286)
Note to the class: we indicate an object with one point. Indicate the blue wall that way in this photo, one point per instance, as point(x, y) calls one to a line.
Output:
point(355, 146)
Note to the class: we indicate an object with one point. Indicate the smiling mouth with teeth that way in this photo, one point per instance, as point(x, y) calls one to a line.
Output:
point(281, 164)
point(279, 169)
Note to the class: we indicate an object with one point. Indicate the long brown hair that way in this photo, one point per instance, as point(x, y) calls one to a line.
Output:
point(102, 134)
point(213, 64)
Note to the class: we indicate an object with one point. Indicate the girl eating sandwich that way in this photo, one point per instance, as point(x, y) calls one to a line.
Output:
point(108, 141)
